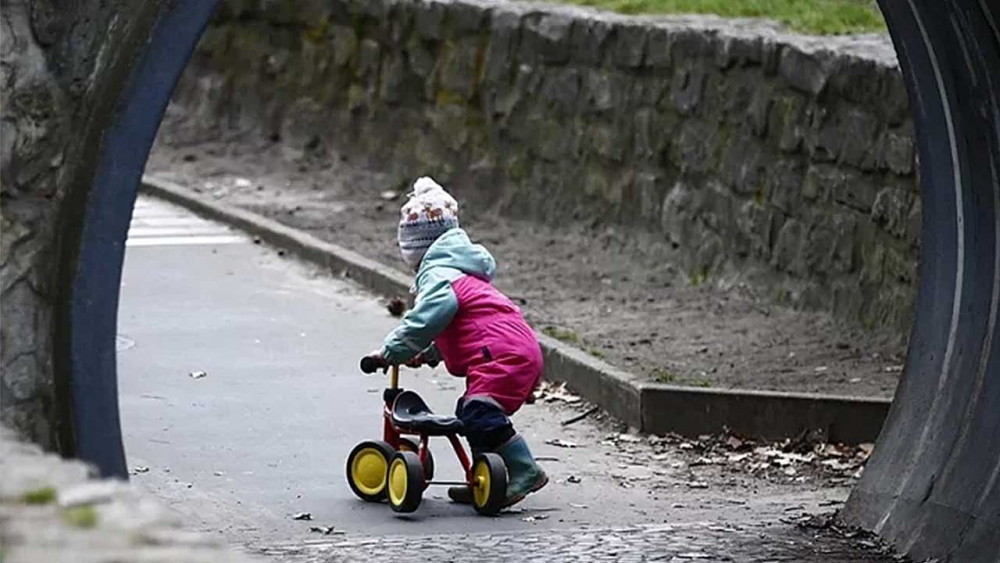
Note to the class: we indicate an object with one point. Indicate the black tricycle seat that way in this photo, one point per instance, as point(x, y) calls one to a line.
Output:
point(409, 411)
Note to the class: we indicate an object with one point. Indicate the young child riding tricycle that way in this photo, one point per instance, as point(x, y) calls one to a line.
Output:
point(481, 335)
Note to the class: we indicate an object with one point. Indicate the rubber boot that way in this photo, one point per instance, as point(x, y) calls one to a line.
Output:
point(524, 476)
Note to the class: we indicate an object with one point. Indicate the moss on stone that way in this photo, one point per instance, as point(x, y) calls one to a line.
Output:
point(81, 516)
point(44, 495)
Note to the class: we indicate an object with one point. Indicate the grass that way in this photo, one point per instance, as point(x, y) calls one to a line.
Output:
point(562, 334)
point(597, 353)
point(46, 495)
point(820, 17)
point(662, 375)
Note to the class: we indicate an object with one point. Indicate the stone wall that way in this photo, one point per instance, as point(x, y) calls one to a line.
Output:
point(784, 159)
point(61, 67)
point(53, 510)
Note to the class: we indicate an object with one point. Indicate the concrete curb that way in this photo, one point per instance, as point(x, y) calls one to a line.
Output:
point(648, 406)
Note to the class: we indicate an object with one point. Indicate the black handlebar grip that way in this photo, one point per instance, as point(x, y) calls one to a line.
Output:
point(369, 365)
point(432, 364)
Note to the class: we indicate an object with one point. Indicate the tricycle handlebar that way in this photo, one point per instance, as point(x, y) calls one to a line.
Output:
point(371, 364)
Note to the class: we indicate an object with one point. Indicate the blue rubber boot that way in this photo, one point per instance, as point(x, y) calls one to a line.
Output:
point(524, 476)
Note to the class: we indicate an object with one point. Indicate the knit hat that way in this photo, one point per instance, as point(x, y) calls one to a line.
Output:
point(429, 212)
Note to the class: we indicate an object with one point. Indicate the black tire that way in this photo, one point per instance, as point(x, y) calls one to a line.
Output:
point(361, 470)
point(488, 496)
point(405, 482)
point(408, 445)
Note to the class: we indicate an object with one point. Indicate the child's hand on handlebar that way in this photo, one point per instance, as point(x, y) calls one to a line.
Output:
point(415, 361)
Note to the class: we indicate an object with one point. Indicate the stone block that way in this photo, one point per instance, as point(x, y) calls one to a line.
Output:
point(857, 138)
point(392, 83)
point(784, 184)
point(804, 71)
point(758, 112)
point(345, 44)
point(18, 307)
point(20, 379)
point(429, 19)
point(630, 44)
point(500, 53)
point(744, 166)
point(368, 58)
point(676, 213)
point(686, 89)
point(789, 117)
point(546, 39)
point(588, 38)
point(561, 89)
point(658, 45)
point(420, 60)
point(605, 91)
point(898, 151)
point(891, 210)
point(690, 44)
point(610, 140)
point(787, 246)
point(823, 137)
point(457, 70)
point(692, 148)
point(466, 18)
point(756, 225)
point(649, 189)
point(739, 50)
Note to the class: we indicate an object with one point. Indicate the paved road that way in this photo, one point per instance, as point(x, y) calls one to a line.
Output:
point(265, 434)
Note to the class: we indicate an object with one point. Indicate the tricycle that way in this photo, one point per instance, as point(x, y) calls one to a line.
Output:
point(399, 469)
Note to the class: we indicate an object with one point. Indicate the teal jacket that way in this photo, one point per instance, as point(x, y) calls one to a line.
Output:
point(451, 257)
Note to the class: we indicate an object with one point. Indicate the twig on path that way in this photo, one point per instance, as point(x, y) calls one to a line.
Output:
point(580, 416)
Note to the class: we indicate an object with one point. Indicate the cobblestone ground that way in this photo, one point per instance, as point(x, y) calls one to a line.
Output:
point(670, 543)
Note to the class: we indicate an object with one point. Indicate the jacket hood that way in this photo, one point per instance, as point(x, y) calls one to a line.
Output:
point(453, 249)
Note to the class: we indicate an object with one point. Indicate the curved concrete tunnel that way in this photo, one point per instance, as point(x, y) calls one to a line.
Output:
point(932, 488)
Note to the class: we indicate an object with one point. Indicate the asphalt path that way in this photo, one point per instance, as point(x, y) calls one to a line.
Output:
point(264, 434)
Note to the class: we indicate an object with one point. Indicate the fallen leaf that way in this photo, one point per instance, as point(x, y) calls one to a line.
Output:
point(303, 516)
point(560, 443)
point(535, 518)
point(697, 485)
point(140, 469)
point(197, 374)
point(734, 443)
point(325, 530)
point(573, 479)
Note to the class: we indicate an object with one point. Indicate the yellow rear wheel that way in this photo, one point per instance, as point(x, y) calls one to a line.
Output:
point(367, 467)
point(489, 483)
point(405, 482)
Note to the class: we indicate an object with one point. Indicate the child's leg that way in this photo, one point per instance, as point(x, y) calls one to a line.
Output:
point(488, 429)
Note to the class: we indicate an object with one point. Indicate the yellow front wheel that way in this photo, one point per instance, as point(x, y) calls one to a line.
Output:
point(367, 467)
point(489, 484)
point(405, 482)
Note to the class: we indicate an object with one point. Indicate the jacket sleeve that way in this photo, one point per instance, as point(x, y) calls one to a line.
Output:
point(435, 308)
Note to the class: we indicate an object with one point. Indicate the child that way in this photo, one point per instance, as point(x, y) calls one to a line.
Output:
point(479, 333)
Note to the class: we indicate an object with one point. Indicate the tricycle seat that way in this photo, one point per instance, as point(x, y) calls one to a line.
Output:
point(409, 411)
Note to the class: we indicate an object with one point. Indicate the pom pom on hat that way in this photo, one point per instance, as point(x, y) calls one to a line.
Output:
point(429, 212)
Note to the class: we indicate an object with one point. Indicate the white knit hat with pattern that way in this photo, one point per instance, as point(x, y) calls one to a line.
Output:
point(429, 212)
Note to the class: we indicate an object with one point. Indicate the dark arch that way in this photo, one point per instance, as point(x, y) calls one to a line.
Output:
point(933, 485)
point(95, 225)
